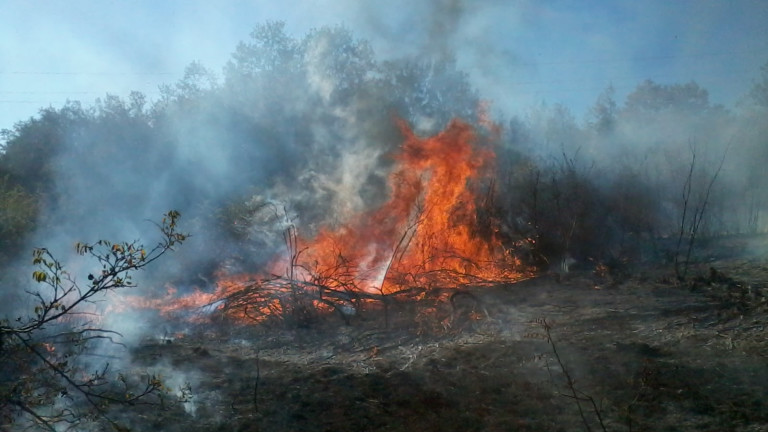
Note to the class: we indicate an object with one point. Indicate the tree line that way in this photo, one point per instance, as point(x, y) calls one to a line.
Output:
point(300, 131)
point(287, 117)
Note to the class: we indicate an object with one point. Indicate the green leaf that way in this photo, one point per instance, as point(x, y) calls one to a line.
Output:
point(39, 276)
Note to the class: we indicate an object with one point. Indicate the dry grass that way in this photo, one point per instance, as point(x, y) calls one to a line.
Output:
point(652, 354)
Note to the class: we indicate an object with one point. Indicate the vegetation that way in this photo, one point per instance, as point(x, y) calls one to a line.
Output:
point(45, 381)
point(309, 122)
point(299, 132)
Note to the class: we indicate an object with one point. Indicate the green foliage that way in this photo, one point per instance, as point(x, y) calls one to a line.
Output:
point(44, 384)
point(18, 213)
point(289, 114)
point(427, 91)
point(270, 49)
point(196, 83)
point(30, 149)
point(652, 97)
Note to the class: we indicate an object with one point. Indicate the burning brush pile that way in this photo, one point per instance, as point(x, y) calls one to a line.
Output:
point(428, 236)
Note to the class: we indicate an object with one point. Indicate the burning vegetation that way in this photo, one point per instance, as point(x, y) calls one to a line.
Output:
point(479, 271)
point(427, 235)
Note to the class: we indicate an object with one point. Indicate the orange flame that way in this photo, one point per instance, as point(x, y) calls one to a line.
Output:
point(427, 234)
point(429, 226)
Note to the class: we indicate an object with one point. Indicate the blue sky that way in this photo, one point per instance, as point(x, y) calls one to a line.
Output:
point(517, 53)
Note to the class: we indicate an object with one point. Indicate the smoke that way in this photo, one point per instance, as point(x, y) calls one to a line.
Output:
point(316, 139)
point(298, 130)
point(253, 138)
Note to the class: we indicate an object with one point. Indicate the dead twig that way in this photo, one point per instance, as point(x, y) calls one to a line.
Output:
point(577, 395)
point(256, 386)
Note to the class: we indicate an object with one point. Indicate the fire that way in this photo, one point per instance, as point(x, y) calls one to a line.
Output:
point(426, 235)
point(168, 304)
point(428, 232)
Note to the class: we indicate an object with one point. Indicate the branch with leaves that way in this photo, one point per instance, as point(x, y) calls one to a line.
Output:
point(47, 387)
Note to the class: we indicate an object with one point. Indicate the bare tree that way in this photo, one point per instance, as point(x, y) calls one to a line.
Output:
point(692, 215)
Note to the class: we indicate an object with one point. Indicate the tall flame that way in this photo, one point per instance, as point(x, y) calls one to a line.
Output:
point(426, 235)
point(429, 226)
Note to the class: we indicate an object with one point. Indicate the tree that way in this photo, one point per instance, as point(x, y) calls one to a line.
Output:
point(197, 82)
point(758, 95)
point(753, 150)
point(269, 50)
point(427, 93)
point(18, 212)
point(28, 151)
point(43, 383)
point(692, 212)
point(602, 115)
point(337, 65)
point(28, 155)
point(650, 97)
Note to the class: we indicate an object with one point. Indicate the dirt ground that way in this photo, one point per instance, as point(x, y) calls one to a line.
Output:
point(577, 351)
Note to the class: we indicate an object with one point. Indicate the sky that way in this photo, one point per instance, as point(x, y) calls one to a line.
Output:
point(517, 53)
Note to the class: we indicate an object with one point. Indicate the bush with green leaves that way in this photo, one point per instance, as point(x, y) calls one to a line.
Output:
point(43, 383)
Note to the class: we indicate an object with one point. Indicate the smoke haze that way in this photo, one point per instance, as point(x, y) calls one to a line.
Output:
point(250, 118)
point(311, 132)
point(525, 50)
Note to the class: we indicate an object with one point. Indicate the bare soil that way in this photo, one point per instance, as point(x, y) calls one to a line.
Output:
point(644, 352)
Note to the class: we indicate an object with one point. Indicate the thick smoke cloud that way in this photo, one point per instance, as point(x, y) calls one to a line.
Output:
point(303, 126)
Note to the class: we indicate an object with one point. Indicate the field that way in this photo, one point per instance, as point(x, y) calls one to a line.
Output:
point(561, 352)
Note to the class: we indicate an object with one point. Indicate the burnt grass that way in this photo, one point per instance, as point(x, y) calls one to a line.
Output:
point(644, 352)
